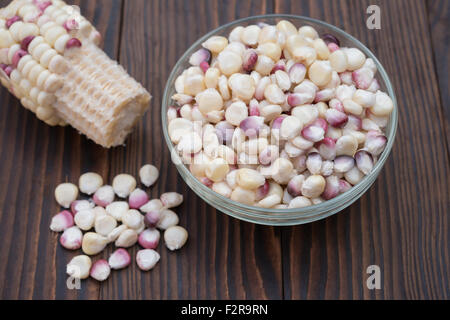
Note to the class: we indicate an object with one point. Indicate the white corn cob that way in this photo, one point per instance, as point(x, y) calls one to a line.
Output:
point(50, 60)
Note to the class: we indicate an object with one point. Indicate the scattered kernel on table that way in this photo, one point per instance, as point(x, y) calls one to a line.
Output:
point(105, 221)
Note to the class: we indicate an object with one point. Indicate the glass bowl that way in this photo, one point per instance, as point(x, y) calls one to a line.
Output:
point(280, 217)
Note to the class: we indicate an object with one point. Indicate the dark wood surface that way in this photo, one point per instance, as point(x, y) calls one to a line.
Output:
point(400, 224)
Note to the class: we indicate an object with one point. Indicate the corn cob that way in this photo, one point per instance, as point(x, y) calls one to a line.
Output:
point(50, 60)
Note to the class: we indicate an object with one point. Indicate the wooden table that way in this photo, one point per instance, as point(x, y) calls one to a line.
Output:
point(401, 224)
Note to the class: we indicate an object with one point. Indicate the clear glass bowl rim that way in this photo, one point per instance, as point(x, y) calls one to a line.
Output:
point(276, 216)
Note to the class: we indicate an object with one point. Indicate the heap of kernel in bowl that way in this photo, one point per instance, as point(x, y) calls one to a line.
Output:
point(279, 117)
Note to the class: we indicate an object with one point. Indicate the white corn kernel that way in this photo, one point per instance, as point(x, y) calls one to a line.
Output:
point(117, 209)
point(123, 185)
point(53, 83)
point(305, 55)
point(338, 61)
point(39, 50)
point(217, 169)
point(287, 28)
point(175, 237)
point(344, 92)
point(22, 62)
point(229, 62)
point(6, 39)
point(171, 199)
point(15, 28)
point(42, 78)
point(52, 34)
point(61, 42)
point(127, 238)
point(34, 73)
point(250, 35)
point(283, 80)
point(231, 179)
point(99, 212)
point(352, 107)
point(308, 32)
point(179, 83)
point(236, 113)
point(274, 94)
point(147, 259)
point(269, 201)
point(133, 219)
point(116, 232)
point(65, 194)
point(44, 113)
point(46, 26)
point(346, 145)
point(79, 267)
point(290, 127)
point(268, 34)
point(321, 48)
point(148, 174)
point(194, 84)
point(212, 78)
point(105, 224)
point(355, 58)
point(242, 86)
point(249, 179)
point(80, 205)
point(178, 128)
point(85, 219)
point(152, 205)
point(27, 67)
point(270, 112)
point(190, 143)
point(215, 44)
point(354, 176)
point(320, 73)
point(313, 186)
point(235, 34)
point(369, 125)
point(299, 202)
point(261, 87)
point(383, 105)
point(209, 100)
point(282, 170)
point(90, 182)
point(364, 98)
point(264, 65)
point(222, 188)
point(93, 243)
point(243, 196)
point(271, 50)
point(167, 219)
point(223, 87)
point(309, 90)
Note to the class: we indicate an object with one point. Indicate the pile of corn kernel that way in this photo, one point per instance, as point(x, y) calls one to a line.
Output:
point(279, 117)
point(123, 223)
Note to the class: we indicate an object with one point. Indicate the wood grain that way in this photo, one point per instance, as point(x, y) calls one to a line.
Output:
point(438, 19)
point(401, 223)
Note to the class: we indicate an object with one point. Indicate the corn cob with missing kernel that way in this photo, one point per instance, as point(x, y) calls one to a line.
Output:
point(50, 60)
